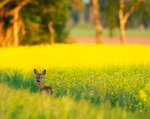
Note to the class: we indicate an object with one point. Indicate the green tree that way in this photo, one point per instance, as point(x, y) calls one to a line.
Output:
point(114, 11)
point(123, 17)
point(11, 21)
point(142, 12)
point(53, 12)
point(32, 18)
point(109, 15)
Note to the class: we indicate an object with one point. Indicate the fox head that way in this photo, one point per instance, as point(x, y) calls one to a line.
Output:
point(39, 76)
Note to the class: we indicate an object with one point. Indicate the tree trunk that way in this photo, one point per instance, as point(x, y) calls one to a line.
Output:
point(52, 32)
point(16, 17)
point(122, 23)
point(16, 22)
point(122, 33)
point(111, 30)
point(1, 28)
point(8, 37)
point(81, 18)
point(98, 26)
point(1, 33)
point(124, 17)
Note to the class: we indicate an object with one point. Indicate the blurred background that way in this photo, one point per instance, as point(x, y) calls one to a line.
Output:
point(31, 22)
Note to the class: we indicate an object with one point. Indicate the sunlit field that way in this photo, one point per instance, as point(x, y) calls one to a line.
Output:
point(85, 30)
point(90, 81)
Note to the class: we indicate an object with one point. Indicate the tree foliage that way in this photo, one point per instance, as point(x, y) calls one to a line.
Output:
point(29, 20)
point(35, 17)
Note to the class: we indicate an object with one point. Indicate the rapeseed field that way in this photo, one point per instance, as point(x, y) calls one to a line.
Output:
point(90, 82)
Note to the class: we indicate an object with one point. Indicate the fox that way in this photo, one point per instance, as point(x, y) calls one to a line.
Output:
point(40, 81)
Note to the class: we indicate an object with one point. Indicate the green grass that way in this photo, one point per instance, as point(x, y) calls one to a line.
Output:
point(110, 92)
point(89, 31)
point(21, 104)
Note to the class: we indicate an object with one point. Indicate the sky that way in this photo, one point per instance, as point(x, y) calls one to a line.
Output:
point(86, 1)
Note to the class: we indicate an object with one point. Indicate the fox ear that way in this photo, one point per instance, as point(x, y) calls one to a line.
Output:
point(44, 72)
point(36, 72)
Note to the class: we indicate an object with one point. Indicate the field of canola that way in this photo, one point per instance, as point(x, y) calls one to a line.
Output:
point(90, 82)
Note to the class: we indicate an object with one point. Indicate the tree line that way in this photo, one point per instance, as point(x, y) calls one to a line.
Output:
point(117, 13)
point(44, 21)
point(33, 21)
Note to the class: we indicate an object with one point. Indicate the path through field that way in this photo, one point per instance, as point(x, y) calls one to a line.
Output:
point(114, 40)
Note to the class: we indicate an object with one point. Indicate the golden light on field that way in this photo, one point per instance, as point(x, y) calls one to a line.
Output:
point(73, 55)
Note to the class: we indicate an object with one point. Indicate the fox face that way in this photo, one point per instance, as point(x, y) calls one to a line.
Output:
point(39, 76)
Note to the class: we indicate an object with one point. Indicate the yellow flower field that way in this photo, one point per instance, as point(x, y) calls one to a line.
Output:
point(90, 81)
point(73, 55)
